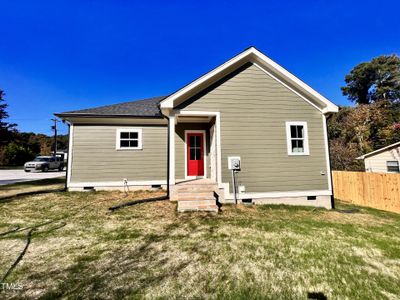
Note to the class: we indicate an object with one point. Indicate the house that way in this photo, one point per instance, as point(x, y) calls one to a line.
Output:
point(248, 108)
point(384, 160)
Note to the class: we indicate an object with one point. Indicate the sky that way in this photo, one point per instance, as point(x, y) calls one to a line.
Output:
point(60, 55)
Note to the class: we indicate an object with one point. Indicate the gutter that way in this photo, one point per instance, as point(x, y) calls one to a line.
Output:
point(68, 158)
point(328, 116)
point(67, 115)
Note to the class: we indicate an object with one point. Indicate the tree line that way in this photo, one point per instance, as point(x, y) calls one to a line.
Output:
point(17, 147)
point(374, 122)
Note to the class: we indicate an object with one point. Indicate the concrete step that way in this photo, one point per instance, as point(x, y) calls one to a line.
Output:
point(194, 195)
point(195, 190)
point(194, 203)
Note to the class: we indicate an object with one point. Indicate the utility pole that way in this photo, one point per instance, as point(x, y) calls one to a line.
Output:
point(54, 127)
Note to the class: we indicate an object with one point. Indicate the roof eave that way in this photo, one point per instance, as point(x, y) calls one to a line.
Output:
point(66, 115)
point(372, 153)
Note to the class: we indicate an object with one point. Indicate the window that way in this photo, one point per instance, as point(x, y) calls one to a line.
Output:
point(129, 139)
point(297, 138)
point(393, 166)
point(195, 147)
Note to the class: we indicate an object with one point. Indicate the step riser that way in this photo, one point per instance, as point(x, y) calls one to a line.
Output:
point(211, 208)
point(194, 196)
point(195, 203)
point(191, 190)
point(195, 188)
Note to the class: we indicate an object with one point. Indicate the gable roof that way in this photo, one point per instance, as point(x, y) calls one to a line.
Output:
point(379, 150)
point(140, 108)
point(254, 56)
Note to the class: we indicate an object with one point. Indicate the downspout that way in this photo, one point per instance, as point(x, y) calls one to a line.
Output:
point(330, 165)
point(68, 158)
point(168, 152)
point(146, 200)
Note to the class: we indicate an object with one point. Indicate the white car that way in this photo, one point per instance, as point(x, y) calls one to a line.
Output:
point(44, 164)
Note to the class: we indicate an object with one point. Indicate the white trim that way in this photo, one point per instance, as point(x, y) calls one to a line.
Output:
point(139, 131)
point(379, 150)
point(288, 87)
point(204, 153)
point(289, 138)
point(217, 116)
point(255, 56)
point(70, 145)
point(213, 153)
point(117, 121)
point(171, 150)
point(81, 184)
point(328, 164)
point(229, 196)
point(330, 107)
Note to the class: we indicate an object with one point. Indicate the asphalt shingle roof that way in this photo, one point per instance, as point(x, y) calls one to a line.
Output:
point(140, 108)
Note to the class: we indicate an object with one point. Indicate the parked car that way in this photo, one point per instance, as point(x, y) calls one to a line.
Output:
point(44, 163)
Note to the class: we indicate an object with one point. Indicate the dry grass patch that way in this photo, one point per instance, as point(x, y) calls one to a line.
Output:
point(151, 251)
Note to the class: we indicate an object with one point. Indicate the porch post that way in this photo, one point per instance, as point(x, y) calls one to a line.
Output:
point(172, 149)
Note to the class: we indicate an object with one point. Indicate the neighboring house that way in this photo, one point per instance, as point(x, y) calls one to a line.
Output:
point(248, 107)
point(384, 160)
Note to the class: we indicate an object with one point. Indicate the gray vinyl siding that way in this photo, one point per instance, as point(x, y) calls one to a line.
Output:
point(378, 163)
point(180, 147)
point(95, 158)
point(254, 108)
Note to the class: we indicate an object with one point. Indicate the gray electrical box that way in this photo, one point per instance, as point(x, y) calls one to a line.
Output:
point(234, 163)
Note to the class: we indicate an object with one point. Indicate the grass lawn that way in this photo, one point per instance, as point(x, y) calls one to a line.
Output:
point(32, 186)
point(151, 251)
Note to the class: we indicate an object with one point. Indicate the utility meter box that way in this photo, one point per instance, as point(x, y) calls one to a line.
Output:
point(234, 163)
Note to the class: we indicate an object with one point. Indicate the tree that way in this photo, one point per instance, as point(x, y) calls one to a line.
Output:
point(354, 131)
point(376, 80)
point(6, 128)
point(16, 155)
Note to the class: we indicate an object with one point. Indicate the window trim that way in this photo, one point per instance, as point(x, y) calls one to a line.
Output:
point(393, 161)
point(289, 138)
point(118, 139)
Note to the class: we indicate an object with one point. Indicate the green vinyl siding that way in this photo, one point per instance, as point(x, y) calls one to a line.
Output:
point(95, 158)
point(254, 108)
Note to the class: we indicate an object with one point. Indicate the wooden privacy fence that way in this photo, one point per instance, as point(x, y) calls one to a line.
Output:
point(377, 190)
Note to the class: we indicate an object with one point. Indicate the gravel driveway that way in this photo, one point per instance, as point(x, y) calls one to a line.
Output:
point(13, 176)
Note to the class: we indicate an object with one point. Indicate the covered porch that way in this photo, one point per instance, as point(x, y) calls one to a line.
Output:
point(195, 151)
point(194, 160)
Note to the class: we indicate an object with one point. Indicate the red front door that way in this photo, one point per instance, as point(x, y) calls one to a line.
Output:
point(195, 154)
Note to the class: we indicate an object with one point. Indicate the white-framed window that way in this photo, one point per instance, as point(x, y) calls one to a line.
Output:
point(393, 166)
point(129, 139)
point(297, 138)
